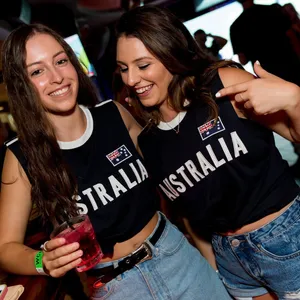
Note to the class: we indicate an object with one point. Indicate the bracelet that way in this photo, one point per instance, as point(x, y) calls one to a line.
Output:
point(38, 262)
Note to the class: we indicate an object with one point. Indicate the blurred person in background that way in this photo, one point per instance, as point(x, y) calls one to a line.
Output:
point(294, 32)
point(260, 33)
point(264, 33)
point(217, 44)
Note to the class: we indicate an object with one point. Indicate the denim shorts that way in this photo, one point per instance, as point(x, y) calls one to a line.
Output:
point(266, 259)
point(176, 271)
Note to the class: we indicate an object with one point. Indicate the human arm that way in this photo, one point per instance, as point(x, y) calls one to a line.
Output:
point(267, 99)
point(219, 40)
point(202, 245)
point(131, 124)
point(15, 208)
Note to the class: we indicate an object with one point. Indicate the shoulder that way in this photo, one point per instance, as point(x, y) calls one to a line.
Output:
point(12, 142)
point(14, 146)
point(148, 136)
point(109, 110)
point(102, 106)
point(132, 126)
point(105, 112)
point(109, 105)
point(231, 76)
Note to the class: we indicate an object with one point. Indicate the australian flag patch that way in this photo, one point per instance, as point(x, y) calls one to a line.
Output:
point(210, 128)
point(119, 155)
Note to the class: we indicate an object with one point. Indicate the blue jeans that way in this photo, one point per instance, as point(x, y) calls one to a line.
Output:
point(176, 271)
point(265, 259)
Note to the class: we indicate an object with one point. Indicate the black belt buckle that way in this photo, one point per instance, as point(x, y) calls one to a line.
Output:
point(148, 251)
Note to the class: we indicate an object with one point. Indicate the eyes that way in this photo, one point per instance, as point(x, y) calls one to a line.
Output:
point(141, 67)
point(61, 62)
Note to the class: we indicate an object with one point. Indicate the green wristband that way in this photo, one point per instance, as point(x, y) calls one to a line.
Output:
point(38, 262)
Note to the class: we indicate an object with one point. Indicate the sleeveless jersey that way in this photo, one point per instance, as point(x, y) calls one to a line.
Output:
point(220, 175)
point(113, 185)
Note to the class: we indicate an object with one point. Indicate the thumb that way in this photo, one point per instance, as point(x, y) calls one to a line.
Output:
point(260, 72)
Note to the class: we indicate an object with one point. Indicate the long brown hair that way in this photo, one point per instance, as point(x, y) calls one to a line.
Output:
point(52, 183)
point(166, 37)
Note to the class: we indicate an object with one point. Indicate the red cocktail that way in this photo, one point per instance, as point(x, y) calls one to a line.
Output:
point(79, 229)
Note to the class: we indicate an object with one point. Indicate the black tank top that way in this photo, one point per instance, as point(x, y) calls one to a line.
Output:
point(220, 177)
point(114, 186)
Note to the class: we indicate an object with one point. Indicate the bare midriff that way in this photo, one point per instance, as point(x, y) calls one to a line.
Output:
point(257, 224)
point(127, 247)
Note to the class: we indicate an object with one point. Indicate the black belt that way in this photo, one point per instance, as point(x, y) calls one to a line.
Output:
point(143, 253)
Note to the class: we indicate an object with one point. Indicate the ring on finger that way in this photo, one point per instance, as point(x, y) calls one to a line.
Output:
point(44, 246)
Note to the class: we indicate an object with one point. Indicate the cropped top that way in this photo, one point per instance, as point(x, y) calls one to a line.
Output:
point(113, 184)
point(220, 174)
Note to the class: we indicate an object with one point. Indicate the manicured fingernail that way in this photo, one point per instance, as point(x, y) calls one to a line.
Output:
point(218, 94)
point(257, 62)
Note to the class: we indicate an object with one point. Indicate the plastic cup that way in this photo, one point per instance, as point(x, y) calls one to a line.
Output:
point(79, 229)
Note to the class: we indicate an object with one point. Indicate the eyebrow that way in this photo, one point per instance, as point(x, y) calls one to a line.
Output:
point(39, 62)
point(136, 60)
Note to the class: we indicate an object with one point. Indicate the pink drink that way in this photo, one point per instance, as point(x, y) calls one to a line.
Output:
point(83, 233)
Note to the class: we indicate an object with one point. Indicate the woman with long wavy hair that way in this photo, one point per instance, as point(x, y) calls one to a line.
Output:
point(73, 156)
point(216, 159)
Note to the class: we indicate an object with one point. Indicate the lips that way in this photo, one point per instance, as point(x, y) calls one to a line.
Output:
point(60, 92)
point(143, 90)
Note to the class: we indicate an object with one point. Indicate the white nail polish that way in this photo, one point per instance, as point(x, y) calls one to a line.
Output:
point(218, 94)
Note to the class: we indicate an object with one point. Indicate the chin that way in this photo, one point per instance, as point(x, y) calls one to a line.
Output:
point(149, 103)
point(62, 109)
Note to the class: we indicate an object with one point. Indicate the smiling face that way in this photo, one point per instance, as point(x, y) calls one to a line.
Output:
point(52, 74)
point(142, 72)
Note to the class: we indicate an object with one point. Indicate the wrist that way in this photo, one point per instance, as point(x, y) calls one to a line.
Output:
point(292, 99)
point(38, 262)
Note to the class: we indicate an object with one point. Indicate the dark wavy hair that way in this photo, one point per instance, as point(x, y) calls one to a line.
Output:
point(166, 37)
point(52, 183)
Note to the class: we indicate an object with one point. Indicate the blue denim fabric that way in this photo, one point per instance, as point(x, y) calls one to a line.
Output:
point(264, 259)
point(176, 271)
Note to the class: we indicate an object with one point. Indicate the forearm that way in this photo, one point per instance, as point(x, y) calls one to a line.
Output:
point(221, 41)
point(17, 258)
point(202, 245)
point(206, 250)
point(293, 112)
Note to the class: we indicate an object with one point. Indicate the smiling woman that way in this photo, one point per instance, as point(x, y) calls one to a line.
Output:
point(216, 159)
point(143, 72)
point(52, 74)
point(74, 157)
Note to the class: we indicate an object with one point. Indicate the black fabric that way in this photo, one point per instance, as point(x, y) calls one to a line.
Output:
point(231, 178)
point(260, 33)
point(120, 200)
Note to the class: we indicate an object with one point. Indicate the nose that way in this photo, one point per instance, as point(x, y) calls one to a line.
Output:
point(133, 77)
point(55, 76)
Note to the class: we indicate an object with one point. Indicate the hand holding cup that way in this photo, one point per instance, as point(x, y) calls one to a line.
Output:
point(61, 257)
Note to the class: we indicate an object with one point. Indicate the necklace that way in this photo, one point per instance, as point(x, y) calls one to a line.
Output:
point(177, 126)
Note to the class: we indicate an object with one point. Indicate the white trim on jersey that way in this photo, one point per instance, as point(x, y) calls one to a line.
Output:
point(172, 124)
point(103, 102)
point(82, 140)
point(11, 142)
point(86, 135)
